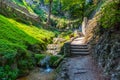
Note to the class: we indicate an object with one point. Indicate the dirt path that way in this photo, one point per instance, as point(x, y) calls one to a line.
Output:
point(79, 67)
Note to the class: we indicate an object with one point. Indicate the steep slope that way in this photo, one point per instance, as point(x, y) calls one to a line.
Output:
point(18, 43)
point(19, 13)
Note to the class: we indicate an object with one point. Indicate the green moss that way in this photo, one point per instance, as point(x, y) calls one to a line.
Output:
point(54, 60)
point(17, 42)
point(39, 57)
point(39, 34)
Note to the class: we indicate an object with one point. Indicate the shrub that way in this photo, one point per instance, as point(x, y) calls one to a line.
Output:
point(110, 14)
point(7, 73)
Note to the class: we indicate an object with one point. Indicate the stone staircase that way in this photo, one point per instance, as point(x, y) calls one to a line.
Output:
point(80, 49)
point(79, 65)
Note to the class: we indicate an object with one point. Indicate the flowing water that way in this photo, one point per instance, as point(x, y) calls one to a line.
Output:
point(39, 73)
point(45, 62)
point(46, 72)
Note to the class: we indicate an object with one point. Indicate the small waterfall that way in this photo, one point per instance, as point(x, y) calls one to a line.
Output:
point(48, 69)
point(45, 62)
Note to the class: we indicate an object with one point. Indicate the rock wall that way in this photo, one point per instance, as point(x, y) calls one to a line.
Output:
point(105, 47)
point(107, 53)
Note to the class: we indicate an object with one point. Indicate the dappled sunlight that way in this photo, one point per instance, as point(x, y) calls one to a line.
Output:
point(59, 39)
point(37, 33)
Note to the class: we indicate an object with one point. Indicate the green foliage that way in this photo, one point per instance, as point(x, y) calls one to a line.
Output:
point(89, 9)
point(41, 13)
point(63, 23)
point(25, 64)
point(16, 41)
point(75, 8)
point(7, 73)
point(54, 60)
point(110, 14)
point(56, 7)
point(39, 34)
point(66, 35)
point(39, 57)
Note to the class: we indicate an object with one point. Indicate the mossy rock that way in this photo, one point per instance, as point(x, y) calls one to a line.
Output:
point(39, 57)
point(53, 62)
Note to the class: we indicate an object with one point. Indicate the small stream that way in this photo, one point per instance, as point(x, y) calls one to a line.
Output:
point(39, 74)
point(46, 72)
point(45, 61)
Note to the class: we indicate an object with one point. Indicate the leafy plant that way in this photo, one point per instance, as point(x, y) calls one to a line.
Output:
point(7, 73)
point(110, 14)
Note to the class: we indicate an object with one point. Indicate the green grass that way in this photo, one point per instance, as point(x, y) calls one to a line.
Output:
point(17, 42)
point(39, 34)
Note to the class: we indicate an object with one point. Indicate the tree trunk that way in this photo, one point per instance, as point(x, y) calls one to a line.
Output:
point(49, 13)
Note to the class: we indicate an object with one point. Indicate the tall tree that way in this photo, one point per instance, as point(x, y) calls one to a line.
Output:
point(49, 10)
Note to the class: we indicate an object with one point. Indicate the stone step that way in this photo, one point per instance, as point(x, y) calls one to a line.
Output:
point(79, 53)
point(79, 47)
point(79, 50)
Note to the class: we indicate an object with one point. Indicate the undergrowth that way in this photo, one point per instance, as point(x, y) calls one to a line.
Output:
point(18, 43)
point(110, 14)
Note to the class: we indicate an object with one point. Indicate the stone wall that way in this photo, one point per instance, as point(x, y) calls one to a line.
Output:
point(105, 48)
point(107, 53)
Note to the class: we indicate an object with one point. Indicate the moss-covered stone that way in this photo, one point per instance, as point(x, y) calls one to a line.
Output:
point(53, 62)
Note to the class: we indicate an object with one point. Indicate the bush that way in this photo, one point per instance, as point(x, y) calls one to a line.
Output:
point(110, 14)
point(7, 73)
